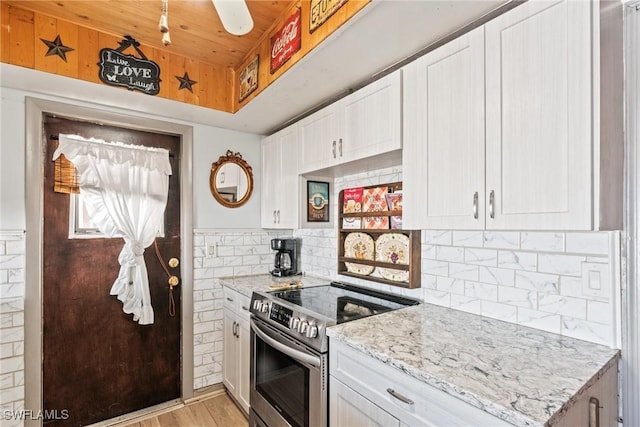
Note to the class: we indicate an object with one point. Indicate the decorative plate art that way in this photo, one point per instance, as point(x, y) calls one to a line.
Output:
point(393, 248)
point(360, 246)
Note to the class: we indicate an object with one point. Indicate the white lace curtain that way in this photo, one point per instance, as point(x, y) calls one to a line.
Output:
point(125, 189)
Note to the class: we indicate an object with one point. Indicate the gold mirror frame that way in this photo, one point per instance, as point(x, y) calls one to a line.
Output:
point(234, 159)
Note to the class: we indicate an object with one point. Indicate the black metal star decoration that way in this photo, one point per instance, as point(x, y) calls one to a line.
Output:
point(57, 48)
point(186, 82)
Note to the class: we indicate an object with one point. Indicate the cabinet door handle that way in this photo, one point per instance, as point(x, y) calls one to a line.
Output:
point(333, 150)
point(274, 216)
point(400, 397)
point(475, 205)
point(278, 215)
point(340, 147)
point(233, 328)
point(245, 308)
point(222, 178)
point(492, 201)
point(594, 412)
point(229, 299)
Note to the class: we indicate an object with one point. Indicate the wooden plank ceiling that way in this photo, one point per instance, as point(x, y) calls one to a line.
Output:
point(195, 28)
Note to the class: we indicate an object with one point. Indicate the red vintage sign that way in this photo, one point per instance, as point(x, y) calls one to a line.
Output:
point(286, 41)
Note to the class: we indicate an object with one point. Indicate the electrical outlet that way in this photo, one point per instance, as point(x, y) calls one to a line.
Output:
point(211, 250)
point(596, 280)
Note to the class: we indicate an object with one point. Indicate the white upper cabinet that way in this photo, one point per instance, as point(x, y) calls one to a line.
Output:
point(501, 126)
point(279, 204)
point(443, 154)
point(318, 137)
point(361, 125)
point(372, 119)
point(539, 117)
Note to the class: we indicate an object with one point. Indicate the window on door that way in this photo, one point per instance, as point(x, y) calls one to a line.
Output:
point(81, 226)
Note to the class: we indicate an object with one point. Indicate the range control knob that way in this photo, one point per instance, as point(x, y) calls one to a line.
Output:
point(312, 331)
point(294, 322)
point(264, 307)
point(302, 327)
point(256, 305)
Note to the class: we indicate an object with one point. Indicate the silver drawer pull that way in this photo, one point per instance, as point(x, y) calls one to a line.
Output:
point(229, 299)
point(594, 412)
point(492, 207)
point(400, 397)
point(245, 308)
point(475, 205)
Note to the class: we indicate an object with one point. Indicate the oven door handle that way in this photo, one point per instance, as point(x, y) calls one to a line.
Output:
point(291, 352)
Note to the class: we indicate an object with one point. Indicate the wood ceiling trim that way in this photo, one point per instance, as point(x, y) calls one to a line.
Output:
point(217, 86)
point(21, 45)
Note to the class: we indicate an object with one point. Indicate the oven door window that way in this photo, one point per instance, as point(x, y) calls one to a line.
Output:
point(283, 382)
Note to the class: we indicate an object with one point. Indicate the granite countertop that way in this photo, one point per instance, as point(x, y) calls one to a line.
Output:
point(247, 284)
point(522, 375)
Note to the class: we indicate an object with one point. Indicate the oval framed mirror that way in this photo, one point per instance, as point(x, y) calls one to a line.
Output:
point(231, 180)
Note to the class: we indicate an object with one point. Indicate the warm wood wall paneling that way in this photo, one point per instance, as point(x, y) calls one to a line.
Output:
point(21, 45)
point(216, 87)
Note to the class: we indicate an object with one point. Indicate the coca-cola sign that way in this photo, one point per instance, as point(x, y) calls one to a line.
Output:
point(286, 41)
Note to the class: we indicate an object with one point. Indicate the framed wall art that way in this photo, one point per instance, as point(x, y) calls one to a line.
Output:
point(248, 79)
point(321, 10)
point(317, 201)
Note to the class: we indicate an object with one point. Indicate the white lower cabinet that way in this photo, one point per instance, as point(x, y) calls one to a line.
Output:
point(367, 392)
point(597, 406)
point(348, 408)
point(236, 346)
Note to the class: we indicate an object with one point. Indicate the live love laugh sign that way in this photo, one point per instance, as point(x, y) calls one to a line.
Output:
point(118, 69)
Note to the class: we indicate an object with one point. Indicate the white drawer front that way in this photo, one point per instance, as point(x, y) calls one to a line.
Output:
point(431, 407)
point(243, 307)
point(231, 298)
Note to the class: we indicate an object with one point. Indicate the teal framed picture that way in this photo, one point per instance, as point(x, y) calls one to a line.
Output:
point(317, 201)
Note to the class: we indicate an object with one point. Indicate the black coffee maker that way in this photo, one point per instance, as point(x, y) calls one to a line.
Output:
point(286, 260)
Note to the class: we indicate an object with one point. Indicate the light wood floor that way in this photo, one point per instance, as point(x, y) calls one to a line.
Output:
point(216, 411)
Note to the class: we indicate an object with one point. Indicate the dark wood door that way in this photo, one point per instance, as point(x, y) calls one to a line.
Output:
point(97, 362)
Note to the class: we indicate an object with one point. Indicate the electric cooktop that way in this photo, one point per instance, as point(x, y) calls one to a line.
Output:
point(305, 313)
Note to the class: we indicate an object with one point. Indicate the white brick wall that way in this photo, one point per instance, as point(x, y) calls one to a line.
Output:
point(12, 265)
point(238, 253)
point(536, 279)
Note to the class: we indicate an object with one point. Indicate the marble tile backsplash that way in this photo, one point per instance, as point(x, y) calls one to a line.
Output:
point(237, 253)
point(562, 282)
point(12, 268)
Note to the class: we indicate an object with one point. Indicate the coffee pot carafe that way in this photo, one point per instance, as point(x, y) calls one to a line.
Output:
point(286, 257)
point(283, 261)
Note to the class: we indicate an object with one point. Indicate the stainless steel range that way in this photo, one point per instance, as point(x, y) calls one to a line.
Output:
point(289, 348)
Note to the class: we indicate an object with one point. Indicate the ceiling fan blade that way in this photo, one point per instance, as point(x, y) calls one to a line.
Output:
point(234, 15)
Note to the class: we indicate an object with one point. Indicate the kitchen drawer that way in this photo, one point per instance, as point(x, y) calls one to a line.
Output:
point(244, 303)
point(235, 301)
point(431, 407)
point(230, 298)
